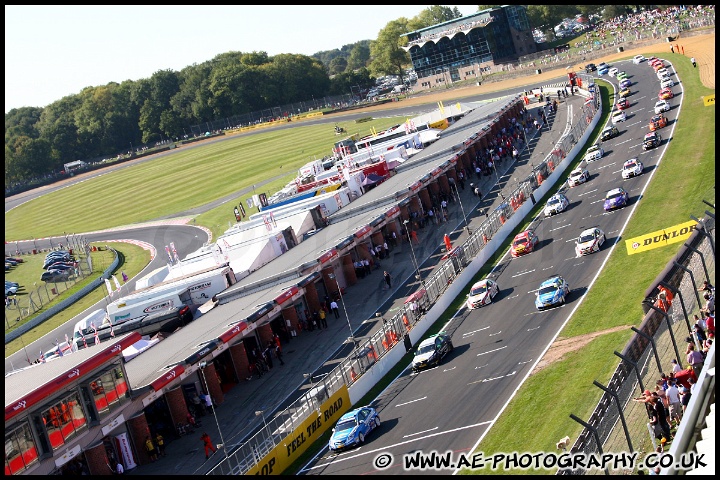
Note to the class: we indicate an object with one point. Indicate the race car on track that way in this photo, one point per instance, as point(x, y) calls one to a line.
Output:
point(667, 83)
point(657, 121)
point(353, 427)
point(637, 59)
point(609, 132)
point(616, 198)
point(523, 243)
point(662, 106)
point(482, 293)
point(553, 291)
point(589, 241)
point(618, 116)
point(652, 140)
point(665, 94)
point(431, 351)
point(623, 104)
point(625, 92)
point(632, 168)
point(593, 153)
point(578, 176)
point(556, 204)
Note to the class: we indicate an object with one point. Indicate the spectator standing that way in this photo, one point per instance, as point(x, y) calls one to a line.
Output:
point(388, 279)
point(207, 443)
point(208, 402)
point(659, 416)
point(278, 354)
point(335, 309)
point(160, 442)
point(710, 323)
point(692, 60)
point(119, 469)
point(323, 320)
point(695, 359)
point(673, 397)
point(268, 354)
point(150, 448)
point(684, 397)
point(676, 368)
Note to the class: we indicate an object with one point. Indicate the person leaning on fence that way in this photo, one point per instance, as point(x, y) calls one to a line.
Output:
point(695, 359)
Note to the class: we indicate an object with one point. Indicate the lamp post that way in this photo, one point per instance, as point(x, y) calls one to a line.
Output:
point(467, 226)
point(342, 300)
point(202, 366)
point(412, 251)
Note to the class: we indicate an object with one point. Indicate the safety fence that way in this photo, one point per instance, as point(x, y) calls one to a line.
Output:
point(18, 308)
point(394, 330)
point(619, 424)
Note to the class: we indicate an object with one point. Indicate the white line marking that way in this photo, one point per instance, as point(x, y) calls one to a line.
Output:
point(418, 433)
point(523, 273)
point(485, 353)
point(548, 268)
point(591, 191)
point(475, 331)
point(411, 401)
point(493, 334)
point(476, 368)
point(523, 363)
point(448, 369)
point(531, 329)
point(558, 228)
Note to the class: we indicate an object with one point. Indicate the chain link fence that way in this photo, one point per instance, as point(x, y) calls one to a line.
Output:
point(619, 424)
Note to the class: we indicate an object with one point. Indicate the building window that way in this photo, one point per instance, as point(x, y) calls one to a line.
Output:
point(20, 449)
point(109, 390)
point(64, 420)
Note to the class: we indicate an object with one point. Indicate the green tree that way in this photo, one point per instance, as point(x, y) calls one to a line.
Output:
point(432, 16)
point(359, 56)
point(387, 56)
point(337, 65)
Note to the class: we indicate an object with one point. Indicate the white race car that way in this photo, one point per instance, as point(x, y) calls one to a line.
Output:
point(482, 293)
point(556, 204)
point(578, 176)
point(589, 241)
point(632, 168)
point(594, 153)
point(662, 106)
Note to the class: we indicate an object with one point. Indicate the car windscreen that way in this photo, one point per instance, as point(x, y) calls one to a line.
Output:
point(614, 196)
point(479, 290)
point(554, 201)
point(426, 349)
point(586, 238)
point(345, 424)
point(519, 241)
point(547, 290)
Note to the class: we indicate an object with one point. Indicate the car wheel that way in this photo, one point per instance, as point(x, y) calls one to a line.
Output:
point(377, 422)
point(361, 438)
point(450, 347)
point(603, 240)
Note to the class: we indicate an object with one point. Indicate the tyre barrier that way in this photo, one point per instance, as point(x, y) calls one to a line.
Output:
point(502, 219)
point(551, 165)
point(485, 239)
point(540, 178)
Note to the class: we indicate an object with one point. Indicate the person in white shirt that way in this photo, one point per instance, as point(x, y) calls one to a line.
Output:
point(673, 396)
point(676, 368)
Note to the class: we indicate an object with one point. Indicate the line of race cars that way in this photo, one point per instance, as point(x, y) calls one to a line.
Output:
point(554, 290)
point(354, 426)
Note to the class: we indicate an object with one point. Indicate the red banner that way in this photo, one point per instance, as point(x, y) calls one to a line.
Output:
point(233, 332)
point(287, 295)
point(327, 256)
point(392, 212)
point(168, 377)
point(363, 231)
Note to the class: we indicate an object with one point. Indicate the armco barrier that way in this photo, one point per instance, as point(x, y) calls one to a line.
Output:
point(60, 306)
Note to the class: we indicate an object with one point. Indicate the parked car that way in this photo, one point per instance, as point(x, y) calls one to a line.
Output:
point(10, 290)
point(609, 132)
point(523, 243)
point(652, 140)
point(431, 351)
point(15, 259)
point(657, 121)
point(482, 293)
point(593, 153)
point(589, 241)
point(553, 291)
point(632, 168)
point(352, 428)
point(618, 116)
point(662, 106)
point(578, 176)
point(52, 276)
point(616, 198)
point(556, 204)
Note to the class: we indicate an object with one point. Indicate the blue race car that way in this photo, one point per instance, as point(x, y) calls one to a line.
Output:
point(553, 291)
point(602, 70)
point(616, 198)
point(625, 84)
point(353, 427)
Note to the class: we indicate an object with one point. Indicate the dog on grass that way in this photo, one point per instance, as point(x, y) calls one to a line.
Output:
point(563, 443)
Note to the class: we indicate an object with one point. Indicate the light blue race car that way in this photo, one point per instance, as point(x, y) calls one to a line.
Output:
point(553, 291)
point(353, 427)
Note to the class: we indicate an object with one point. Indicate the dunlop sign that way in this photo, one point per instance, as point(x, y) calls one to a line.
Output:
point(674, 234)
point(312, 428)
